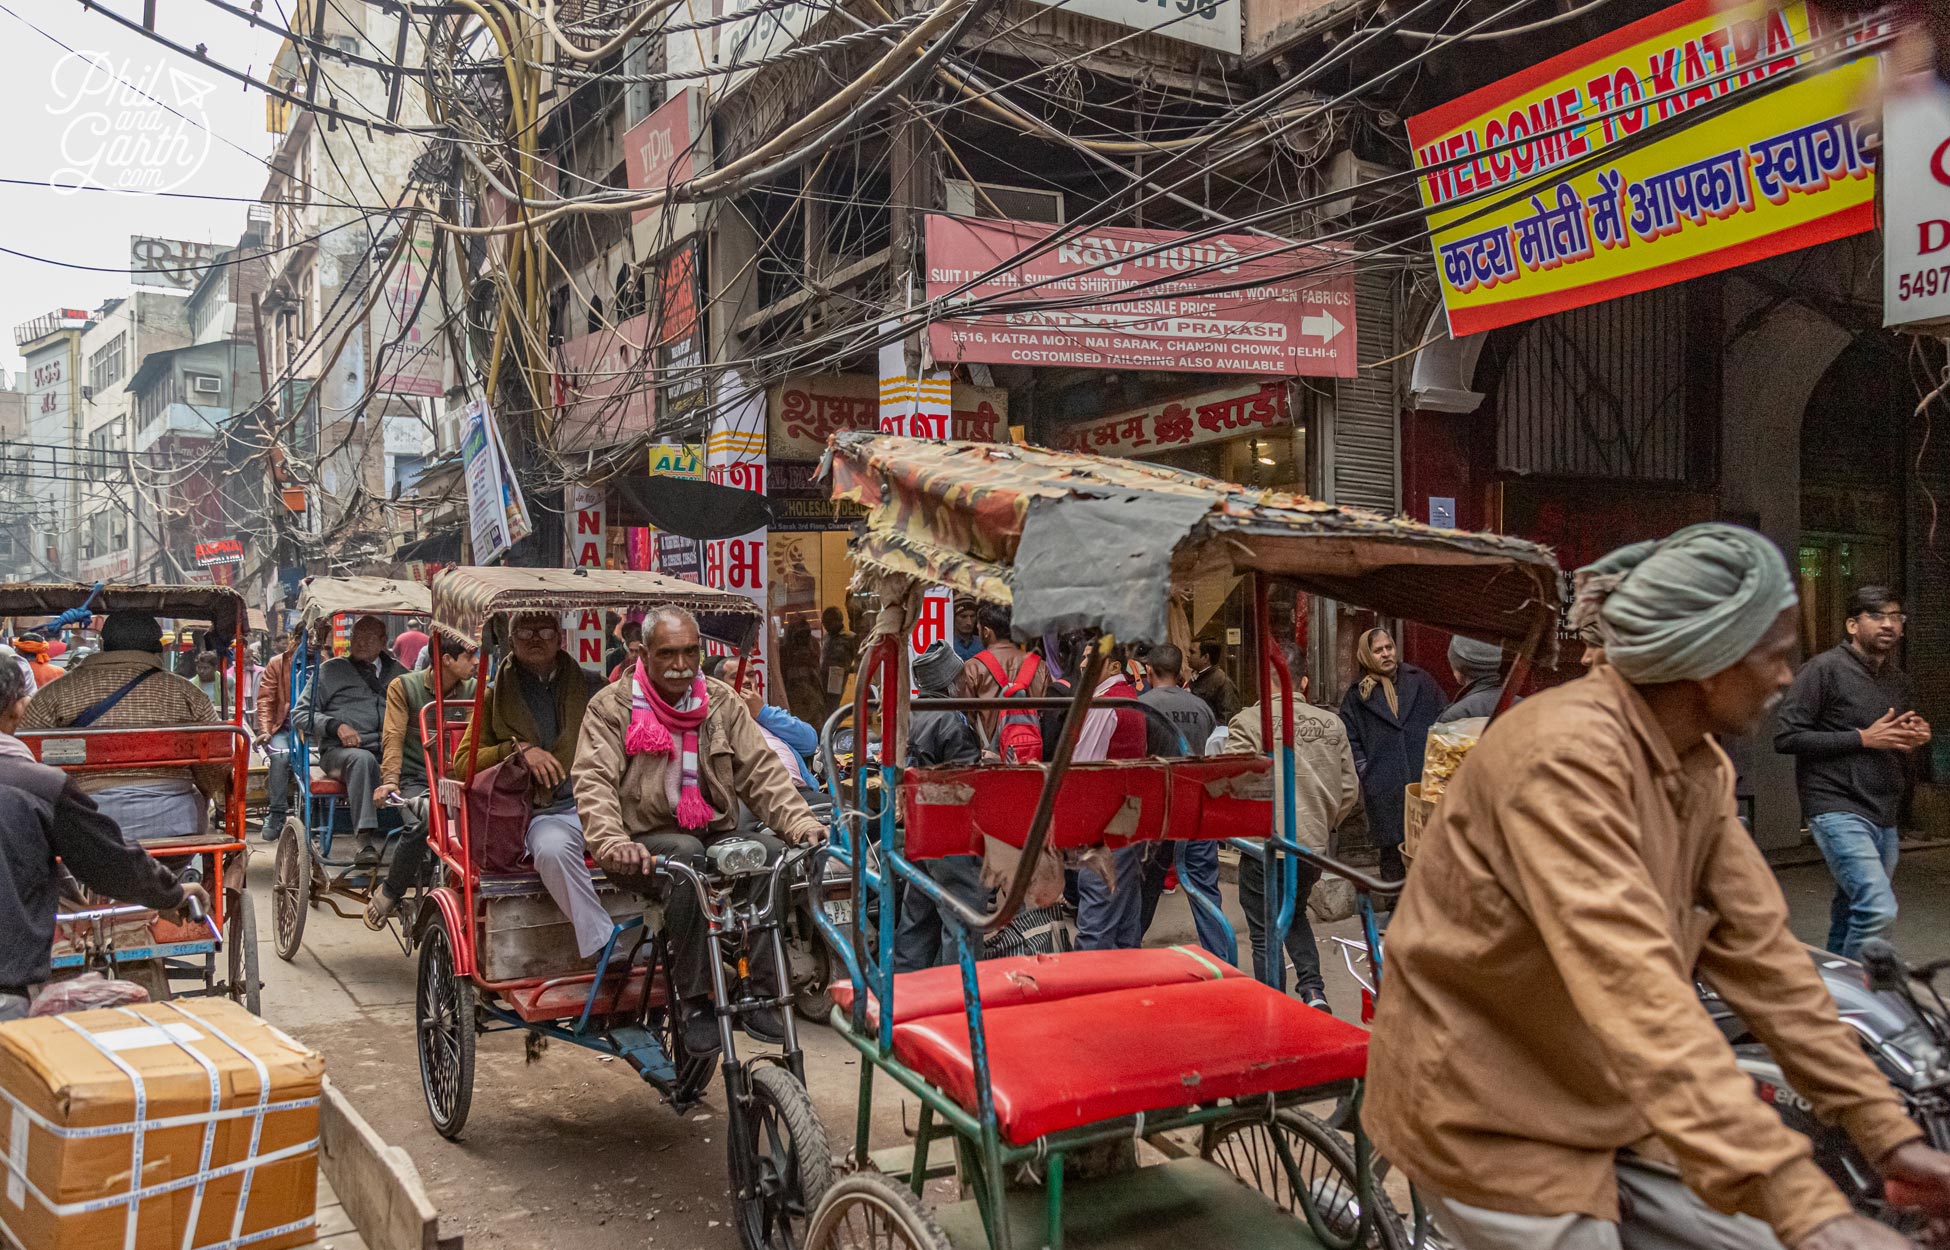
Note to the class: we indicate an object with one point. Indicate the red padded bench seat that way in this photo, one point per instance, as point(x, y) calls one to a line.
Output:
point(1039, 978)
point(327, 787)
point(1061, 1064)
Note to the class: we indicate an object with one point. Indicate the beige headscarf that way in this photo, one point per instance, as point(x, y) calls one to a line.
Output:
point(1364, 656)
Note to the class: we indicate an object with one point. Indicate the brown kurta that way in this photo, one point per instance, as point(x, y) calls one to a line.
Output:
point(1539, 1014)
point(620, 796)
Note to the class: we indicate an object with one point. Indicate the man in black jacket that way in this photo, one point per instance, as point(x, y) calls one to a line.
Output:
point(1848, 722)
point(44, 816)
point(937, 739)
point(345, 713)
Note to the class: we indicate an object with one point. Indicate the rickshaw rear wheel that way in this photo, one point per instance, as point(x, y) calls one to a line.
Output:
point(240, 923)
point(443, 1014)
point(789, 1162)
point(1319, 1169)
point(873, 1211)
point(291, 888)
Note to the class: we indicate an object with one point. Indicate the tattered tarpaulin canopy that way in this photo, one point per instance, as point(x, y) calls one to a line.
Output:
point(326, 597)
point(1078, 542)
point(222, 606)
point(694, 509)
point(465, 598)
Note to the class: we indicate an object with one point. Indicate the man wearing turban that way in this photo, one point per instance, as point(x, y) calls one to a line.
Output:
point(1540, 1065)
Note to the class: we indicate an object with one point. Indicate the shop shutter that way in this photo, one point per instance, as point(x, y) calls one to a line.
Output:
point(1363, 440)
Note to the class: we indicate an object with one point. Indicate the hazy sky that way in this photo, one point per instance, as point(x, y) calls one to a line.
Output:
point(73, 121)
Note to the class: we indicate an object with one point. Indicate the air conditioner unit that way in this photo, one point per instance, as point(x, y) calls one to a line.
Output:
point(204, 384)
point(991, 199)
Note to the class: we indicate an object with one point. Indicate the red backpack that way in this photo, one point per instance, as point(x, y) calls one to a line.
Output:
point(1019, 735)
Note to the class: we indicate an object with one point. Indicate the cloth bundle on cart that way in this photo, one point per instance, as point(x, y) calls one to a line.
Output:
point(135, 1126)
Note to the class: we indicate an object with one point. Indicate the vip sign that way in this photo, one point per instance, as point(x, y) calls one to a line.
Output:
point(582, 532)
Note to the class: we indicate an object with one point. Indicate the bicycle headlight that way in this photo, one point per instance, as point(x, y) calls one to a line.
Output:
point(738, 857)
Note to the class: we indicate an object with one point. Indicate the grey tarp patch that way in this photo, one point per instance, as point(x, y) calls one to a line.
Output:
point(1100, 562)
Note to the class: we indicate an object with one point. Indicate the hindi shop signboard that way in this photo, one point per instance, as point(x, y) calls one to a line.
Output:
point(808, 410)
point(1177, 423)
point(1141, 299)
point(1531, 215)
point(219, 551)
point(1916, 203)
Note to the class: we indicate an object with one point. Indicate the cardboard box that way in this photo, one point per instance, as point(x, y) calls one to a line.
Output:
point(201, 1111)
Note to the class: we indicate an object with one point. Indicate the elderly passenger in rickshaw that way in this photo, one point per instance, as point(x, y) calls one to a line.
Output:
point(536, 706)
point(343, 712)
point(124, 686)
point(403, 764)
point(665, 757)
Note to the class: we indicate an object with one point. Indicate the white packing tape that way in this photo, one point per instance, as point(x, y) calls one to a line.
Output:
point(17, 1140)
point(182, 1037)
point(154, 1124)
point(61, 1210)
point(129, 1218)
point(257, 1119)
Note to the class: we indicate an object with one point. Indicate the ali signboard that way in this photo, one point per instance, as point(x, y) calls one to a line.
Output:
point(1171, 424)
point(1916, 203)
point(1533, 213)
point(808, 410)
point(1140, 299)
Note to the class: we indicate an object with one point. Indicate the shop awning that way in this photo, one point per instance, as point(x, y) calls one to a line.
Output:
point(688, 507)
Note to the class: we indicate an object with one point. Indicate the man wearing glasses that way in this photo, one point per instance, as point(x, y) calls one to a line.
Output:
point(1848, 722)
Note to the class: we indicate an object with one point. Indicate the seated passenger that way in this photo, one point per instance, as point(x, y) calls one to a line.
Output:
point(666, 756)
point(124, 686)
point(343, 713)
point(403, 765)
point(536, 706)
point(937, 739)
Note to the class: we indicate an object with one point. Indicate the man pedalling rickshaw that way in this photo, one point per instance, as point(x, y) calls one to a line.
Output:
point(306, 872)
point(214, 956)
point(497, 956)
point(1037, 1066)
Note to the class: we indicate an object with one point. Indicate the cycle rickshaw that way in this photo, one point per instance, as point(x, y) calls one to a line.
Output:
point(305, 872)
point(217, 956)
point(1034, 1067)
point(496, 956)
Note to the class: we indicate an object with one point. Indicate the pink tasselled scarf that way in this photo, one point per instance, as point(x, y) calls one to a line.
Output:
point(656, 728)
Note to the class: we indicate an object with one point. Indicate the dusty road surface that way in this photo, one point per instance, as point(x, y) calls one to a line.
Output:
point(572, 1153)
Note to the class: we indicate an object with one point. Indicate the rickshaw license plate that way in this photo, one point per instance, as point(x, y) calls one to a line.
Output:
point(58, 751)
point(839, 911)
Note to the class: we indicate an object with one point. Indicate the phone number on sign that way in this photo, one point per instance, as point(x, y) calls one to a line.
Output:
point(1924, 283)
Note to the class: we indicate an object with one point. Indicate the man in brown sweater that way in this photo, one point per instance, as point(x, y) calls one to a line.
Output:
point(1541, 1066)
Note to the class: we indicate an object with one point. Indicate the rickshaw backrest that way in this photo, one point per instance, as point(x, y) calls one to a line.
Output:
point(948, 811)
point(108, 750)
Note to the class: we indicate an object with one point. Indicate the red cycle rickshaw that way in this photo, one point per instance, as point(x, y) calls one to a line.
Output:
point(134, 944)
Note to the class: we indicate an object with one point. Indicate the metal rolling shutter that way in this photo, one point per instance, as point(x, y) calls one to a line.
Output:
point(1363, 438)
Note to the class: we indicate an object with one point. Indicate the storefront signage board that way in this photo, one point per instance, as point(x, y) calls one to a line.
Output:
point(1143, 299)
point(1213, 24)
point(664, 150)
point(219, 551)
point(808, 410)
point(1916, 204)
point(583, 540)
point(1543, 198)
point(1172, 424)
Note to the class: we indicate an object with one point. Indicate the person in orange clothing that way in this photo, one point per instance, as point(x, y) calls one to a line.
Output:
point(35, 652)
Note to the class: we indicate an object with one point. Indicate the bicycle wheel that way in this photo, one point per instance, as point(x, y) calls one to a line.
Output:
point(789, 1166)
point(444, 1018)
point(291, 889)
point(1318, 1171)
point(240, 944)
point(870, 1211)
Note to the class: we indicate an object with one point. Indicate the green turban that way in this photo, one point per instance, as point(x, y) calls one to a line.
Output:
point(1685, 607)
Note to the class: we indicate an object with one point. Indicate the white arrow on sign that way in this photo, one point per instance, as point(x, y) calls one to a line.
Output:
point(1323, 326)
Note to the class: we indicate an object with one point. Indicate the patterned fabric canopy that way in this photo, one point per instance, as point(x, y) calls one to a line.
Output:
point(1075, 541)
point(222, 606)
point(326, 597)
point(465, 598)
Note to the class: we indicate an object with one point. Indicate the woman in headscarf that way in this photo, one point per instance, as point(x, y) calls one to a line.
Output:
point(1388, 713)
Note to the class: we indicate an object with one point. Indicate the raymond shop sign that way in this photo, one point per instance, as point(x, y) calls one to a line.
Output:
point(1142, 299)
point(1792, 168)
point(808, 410)
point(219, 551)
point(1175, 423)
point(1916, 203)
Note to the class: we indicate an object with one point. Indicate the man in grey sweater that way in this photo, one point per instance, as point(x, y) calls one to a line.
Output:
point(344, 712)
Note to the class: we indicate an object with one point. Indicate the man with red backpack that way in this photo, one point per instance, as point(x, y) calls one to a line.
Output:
point(1003, 668)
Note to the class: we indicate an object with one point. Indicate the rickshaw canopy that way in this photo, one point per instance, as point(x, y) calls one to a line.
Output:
point(222, 606)
point(326, 597)
point(1074, 541)
point(464, 599)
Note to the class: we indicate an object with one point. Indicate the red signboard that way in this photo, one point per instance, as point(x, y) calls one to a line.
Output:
point(1174, 423)
point(1142, 299)
point(657, 150)
point(220, 551)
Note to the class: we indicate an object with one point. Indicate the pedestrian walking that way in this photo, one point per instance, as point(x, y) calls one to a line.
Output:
point(1849, 722)
point(1110, 915)
point(937, 739)
point(1196, 861)
point(1478, 668)
point(1212, 683)
point(1388, 713)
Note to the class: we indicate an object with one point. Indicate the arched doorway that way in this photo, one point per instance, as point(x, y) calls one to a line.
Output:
point(1853, 433)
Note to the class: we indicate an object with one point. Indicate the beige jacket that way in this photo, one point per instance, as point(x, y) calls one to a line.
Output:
point(622, 796)
point(1328, 790)
point(1539, 1013)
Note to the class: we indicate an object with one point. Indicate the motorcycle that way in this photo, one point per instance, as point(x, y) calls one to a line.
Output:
point(1905, 1028)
